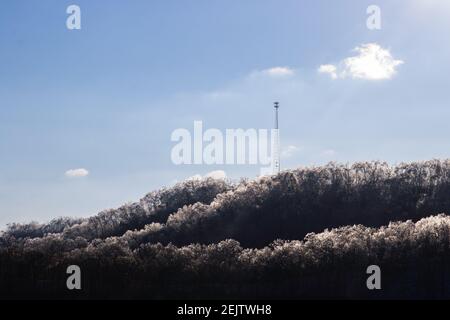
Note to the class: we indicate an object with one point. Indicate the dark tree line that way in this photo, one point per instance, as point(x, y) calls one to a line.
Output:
point(414, 259)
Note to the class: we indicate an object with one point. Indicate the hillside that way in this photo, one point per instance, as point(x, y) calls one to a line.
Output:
point(176, 242)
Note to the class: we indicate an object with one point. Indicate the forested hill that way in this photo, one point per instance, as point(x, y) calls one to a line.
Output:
point(285, 206)
point(213, 238)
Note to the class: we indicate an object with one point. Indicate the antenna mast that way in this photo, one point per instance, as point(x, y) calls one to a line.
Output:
point(276, 143)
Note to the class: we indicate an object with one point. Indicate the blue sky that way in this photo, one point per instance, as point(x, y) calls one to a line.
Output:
point(107, 97)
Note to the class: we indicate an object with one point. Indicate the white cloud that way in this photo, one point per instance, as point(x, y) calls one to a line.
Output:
point(330, 69)
point(371, 63)
point(279, 72)
point(77, 173)
point(218, 174)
